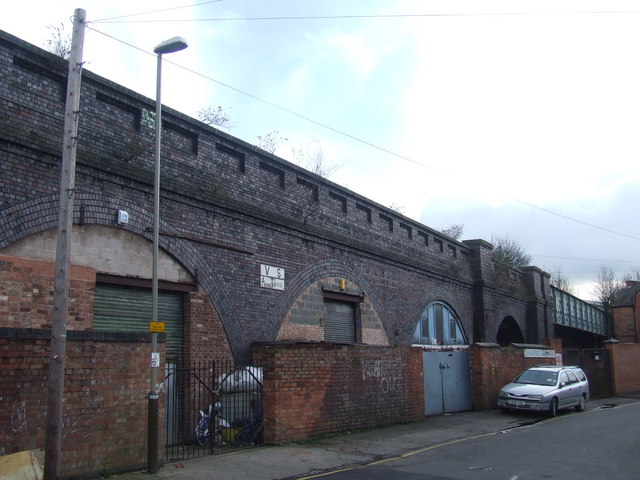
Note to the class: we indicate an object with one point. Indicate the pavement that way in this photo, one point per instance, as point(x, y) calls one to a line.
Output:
point(318, 457)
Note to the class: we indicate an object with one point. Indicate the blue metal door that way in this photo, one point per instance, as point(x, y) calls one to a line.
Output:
point(447, 382)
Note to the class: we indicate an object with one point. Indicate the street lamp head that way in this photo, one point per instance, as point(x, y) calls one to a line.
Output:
point(174, 44)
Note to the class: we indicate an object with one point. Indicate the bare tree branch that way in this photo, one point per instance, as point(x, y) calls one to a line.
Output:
point(59, 42)
point(215, 116)
point(559, 280)
point(271, 141)
point(508, 252)
point(454, 231)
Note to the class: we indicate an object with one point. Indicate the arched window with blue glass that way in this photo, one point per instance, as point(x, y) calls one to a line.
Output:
point(439, 325)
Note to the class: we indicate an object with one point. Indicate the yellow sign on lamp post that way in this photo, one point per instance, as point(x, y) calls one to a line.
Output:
point(157, 327)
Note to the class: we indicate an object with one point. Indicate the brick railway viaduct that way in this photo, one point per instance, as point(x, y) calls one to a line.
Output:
point(228, 208)
point(260, 259)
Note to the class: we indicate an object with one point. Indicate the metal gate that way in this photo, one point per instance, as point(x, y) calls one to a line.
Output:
point(595, 363)
point(211, 407)
point(447, 382)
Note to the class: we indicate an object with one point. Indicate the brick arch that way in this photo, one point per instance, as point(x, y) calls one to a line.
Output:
point(314, 273)
point(34, 216)
point(512, 310)
point(509, 332)
point(441, 294)
point(26, 218)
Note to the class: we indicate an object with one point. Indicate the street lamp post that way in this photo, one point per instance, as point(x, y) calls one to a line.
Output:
point(174, 44)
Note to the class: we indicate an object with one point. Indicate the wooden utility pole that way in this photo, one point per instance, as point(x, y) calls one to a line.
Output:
point(55, 382)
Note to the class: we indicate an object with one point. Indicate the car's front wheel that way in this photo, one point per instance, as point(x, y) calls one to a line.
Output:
point(553, 407)
point(582, 404)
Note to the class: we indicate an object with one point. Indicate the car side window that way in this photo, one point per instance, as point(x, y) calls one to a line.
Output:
point(564, 378)
point(572, 377)
point(581, 375)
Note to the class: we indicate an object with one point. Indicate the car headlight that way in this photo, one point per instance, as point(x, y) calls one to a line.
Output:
point(536, 397)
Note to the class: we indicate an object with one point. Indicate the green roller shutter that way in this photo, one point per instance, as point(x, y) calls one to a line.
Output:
point(339, 322)
point(128, 309)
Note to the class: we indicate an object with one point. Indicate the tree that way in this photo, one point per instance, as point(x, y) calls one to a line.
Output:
point(559, 280)
point(607, 286)
point(312, 159)
point(397, 208)
point(605, 291)
point(59, 42)
point(454, 231)
point(309, 157)
point(633, 275)
point(508, 252)
point(271, 141)
point(214, 116)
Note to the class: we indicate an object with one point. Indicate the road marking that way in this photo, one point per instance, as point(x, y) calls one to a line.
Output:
point(444, 444)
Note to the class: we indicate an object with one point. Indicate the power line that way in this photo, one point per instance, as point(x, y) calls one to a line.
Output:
point(283, 109)
point(585, 259)
point(362, 141)
point(551, 212)
point(359, 17)
point(111, 20)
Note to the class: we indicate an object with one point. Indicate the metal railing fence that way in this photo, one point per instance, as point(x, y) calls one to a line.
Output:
point(211, 407)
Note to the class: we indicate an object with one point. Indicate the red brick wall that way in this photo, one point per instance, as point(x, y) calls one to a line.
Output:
point(26, 294)
point(312, 389)
point(625, 374)
point(105, 407)
point(626, 327)
point(492, 367)
point(107, 374)
point(204, 335)
point(554, 343)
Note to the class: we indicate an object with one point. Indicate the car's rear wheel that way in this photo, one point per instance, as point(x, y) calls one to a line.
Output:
point(582, 404)
point(553, 407)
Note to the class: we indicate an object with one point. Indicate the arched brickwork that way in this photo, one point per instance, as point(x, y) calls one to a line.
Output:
point(314, 274)
point(441, 294)
point(40, 214)
point(509, 332)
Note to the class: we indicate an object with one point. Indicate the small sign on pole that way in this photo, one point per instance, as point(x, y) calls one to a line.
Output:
point(155, 359)
point(158, 327)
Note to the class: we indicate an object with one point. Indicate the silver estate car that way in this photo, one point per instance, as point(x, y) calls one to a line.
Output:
point(546, 389)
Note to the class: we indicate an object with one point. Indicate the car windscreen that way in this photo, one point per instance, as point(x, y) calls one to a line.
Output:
point(537, 377)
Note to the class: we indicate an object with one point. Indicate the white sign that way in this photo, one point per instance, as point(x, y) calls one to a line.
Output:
point(539, 353)
point(272, 277)
point(155, 359)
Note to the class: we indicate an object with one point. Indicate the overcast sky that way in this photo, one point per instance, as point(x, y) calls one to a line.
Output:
point(516, 118)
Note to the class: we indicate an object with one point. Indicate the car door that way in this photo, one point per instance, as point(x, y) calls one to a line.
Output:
point(574, 388)
point(564, 390)
point(569, 392)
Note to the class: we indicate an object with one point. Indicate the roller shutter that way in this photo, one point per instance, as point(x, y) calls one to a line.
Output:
point(128, 309)
point(339, 322)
